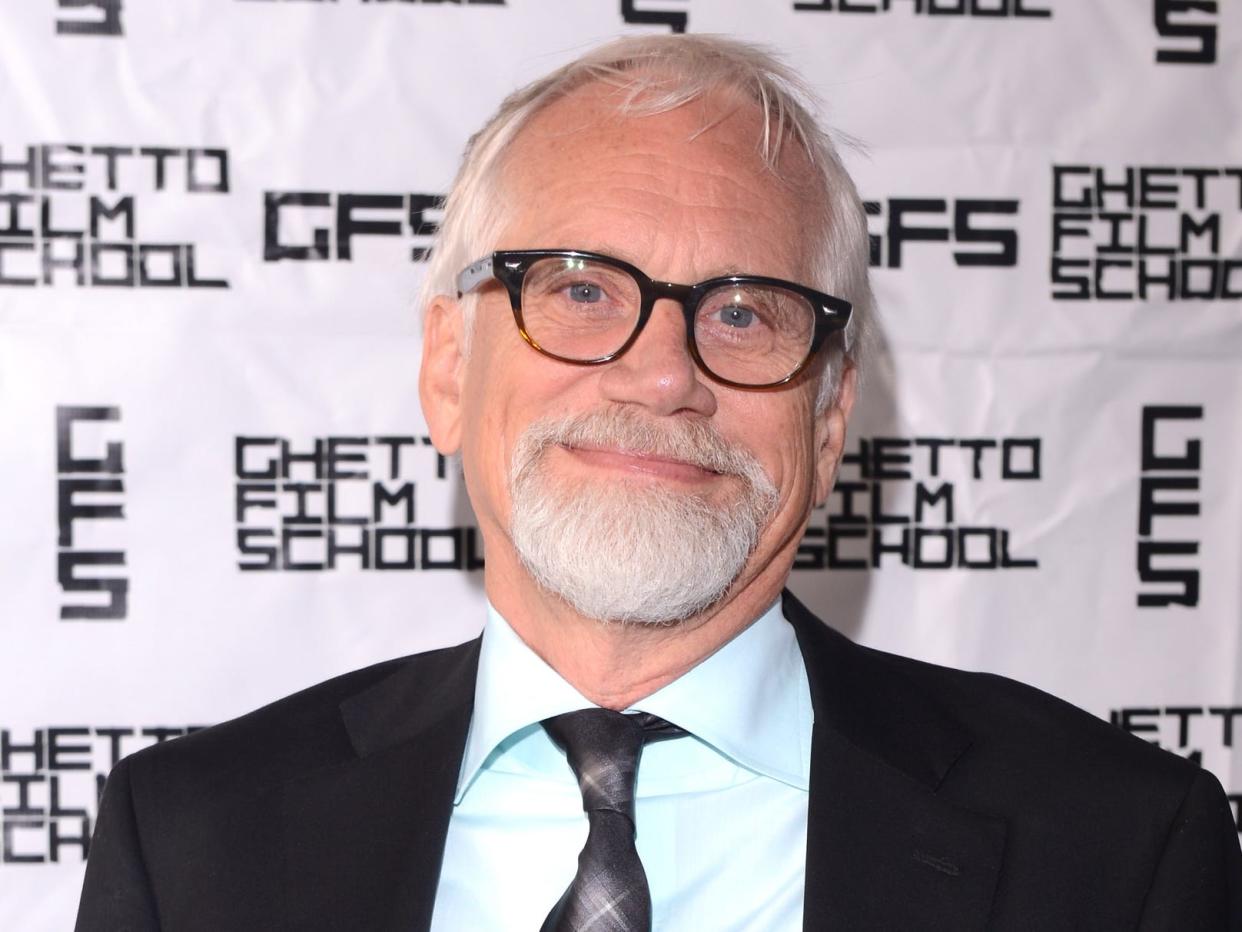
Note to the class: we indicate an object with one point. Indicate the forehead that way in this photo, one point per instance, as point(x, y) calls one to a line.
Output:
point(687, 186)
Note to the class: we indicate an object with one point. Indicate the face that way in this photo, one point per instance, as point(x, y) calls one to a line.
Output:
point(683, 204)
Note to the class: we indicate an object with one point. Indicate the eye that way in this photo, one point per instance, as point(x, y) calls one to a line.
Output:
point(585, 293)
point(735, 315)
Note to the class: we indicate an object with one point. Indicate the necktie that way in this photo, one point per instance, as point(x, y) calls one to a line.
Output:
point(609, 893)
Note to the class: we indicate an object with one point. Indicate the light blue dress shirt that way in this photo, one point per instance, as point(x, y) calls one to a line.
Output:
point(721, 814)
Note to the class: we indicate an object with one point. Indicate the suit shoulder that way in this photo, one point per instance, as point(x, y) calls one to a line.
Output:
point(301, 731)
point(1028, 727)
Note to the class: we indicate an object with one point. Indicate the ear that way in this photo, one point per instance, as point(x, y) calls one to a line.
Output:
point(441, 377)
point(830, 433)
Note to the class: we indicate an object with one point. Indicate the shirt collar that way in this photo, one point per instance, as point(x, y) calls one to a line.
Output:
point(750, 700)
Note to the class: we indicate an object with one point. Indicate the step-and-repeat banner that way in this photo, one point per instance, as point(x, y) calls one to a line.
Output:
point(217, 486)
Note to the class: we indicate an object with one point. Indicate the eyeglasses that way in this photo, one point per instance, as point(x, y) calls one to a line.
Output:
point(747, 331)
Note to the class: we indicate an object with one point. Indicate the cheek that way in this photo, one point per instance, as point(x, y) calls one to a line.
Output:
point(487, 395)
point(506, 389)
point(797, 477)
point(782, 438)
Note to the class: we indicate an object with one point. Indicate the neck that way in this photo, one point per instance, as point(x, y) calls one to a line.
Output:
point(614, 664)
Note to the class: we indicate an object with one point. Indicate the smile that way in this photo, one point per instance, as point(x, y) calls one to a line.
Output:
point(639, 463)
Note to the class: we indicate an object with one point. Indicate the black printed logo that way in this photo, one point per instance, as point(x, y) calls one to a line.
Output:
point(327, 223)
point(984, 9)
point(1172, 458)
point(674, 19)
point(343, 502)
point(899, 500)
point(974, 226)
point(1145, 232)
point(1191, 24)
point(71, 218)
point(90, 488)
point(104, 21)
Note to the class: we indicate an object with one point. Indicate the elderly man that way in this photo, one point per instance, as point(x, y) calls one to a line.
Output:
point(642, 322)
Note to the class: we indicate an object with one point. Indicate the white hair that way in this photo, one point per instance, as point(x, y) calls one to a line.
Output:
point(659, 74)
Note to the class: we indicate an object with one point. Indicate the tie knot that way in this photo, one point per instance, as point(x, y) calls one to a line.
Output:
point(603, 748)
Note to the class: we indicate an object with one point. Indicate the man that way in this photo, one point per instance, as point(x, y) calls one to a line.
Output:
point(643, 458)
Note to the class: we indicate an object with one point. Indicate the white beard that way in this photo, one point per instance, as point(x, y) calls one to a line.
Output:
point(634, 552)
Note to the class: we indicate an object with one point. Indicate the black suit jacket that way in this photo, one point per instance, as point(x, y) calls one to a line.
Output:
point(939, 800)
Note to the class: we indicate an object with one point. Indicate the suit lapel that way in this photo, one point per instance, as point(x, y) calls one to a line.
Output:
point(884, 850)
point(364, 839)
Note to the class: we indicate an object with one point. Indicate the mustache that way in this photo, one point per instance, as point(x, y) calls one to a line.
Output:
point(695, 442)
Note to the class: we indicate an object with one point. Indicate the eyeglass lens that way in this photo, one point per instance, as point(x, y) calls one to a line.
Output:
point(585, 310)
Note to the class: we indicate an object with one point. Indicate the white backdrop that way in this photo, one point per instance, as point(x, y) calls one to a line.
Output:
point(212, 216)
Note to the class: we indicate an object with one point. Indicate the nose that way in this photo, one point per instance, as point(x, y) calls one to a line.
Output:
point(658, 371)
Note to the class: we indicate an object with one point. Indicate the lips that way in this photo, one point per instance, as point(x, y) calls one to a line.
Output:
point(640, 461)
point(624, 443)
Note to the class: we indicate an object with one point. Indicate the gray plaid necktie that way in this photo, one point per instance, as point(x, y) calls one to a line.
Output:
point(609, 892)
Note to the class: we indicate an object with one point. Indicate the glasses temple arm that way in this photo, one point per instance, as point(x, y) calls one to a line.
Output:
point(474, 275)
